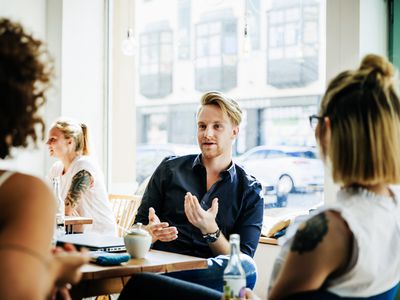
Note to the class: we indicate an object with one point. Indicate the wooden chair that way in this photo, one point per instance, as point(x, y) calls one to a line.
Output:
point(125, 208)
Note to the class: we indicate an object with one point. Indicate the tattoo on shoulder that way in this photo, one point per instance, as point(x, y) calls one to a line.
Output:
point(310, 234)
point(81, 182)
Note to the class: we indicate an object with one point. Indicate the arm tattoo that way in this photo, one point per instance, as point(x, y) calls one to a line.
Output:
point(310, 234)
point(80, 183)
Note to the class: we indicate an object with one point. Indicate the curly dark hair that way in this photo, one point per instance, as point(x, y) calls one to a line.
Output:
point(25, 74)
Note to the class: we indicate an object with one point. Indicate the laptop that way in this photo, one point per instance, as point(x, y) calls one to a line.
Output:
point(94, 242)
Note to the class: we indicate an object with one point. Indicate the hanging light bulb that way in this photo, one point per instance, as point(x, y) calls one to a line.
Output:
point(128, 44)
point(246, 43)
point(246, 38)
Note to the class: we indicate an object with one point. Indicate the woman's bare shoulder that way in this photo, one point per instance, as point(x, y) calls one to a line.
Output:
point(323, 228)
point(25, 191)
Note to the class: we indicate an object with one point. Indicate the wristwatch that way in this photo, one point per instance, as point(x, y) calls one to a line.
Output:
point(212, 237)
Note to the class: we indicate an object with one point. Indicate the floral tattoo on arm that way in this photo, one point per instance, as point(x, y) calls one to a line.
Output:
point(81, 182)
point(310, 234)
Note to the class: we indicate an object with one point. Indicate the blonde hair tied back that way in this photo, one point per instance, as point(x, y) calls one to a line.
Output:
point(77, 131)
point(364, 112)
point(378, 70)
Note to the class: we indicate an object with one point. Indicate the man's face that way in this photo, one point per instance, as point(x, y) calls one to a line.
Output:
point(215, 132)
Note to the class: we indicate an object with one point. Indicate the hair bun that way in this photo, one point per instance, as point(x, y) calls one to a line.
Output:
point(377, 63)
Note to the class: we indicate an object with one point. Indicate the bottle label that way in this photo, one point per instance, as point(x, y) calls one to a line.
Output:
point(234, 288)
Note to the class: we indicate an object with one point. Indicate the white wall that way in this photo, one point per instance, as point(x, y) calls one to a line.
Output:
point(32, 15)
point(82, 73)
point(74, 31)
point(353, 29)
point(373, 27)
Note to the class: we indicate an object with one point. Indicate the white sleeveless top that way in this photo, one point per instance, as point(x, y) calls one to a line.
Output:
point(375, 263)
point(375, 223)
point(93, 203)
point(5, 176)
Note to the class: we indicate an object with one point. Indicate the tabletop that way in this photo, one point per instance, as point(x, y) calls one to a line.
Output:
point(74, 220)
point(73, 224)
point(100, 280)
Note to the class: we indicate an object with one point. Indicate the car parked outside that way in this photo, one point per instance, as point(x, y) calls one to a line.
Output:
point(148, 157)
point(284, 168)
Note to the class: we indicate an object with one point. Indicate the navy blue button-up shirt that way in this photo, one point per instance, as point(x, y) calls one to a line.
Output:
point(240, 204)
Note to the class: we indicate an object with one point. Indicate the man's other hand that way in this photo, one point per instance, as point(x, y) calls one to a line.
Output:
point(160, 230)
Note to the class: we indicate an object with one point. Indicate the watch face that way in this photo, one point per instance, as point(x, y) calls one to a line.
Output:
point(212, 237)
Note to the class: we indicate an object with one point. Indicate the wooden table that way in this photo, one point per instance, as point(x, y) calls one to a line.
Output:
point(77, 222)
point(101, 280)
point(267, 240)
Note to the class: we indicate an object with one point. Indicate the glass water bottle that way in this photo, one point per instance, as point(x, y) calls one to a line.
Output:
point(234, 275)
point(60, 214)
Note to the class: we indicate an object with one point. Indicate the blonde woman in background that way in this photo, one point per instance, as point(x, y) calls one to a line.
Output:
point(81, 181)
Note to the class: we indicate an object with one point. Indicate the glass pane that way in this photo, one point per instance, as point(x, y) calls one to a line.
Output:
point(215, 45)
point(230, 44)
point(291, 34)
point(166, 37)
point(310, 32)
point(214, 28)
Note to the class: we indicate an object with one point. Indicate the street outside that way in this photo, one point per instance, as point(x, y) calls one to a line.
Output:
point(301, 201)
point(297, 204)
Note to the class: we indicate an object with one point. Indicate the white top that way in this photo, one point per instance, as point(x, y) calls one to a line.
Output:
point(375, 223)
point(94, 202)
point(375, 263)
point(5, 176)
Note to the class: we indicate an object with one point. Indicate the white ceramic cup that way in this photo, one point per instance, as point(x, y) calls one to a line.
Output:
point(137, 242)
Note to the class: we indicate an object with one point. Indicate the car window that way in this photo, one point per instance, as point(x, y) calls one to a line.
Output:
point(276, 154)
point(259, 154)
point(305, 154)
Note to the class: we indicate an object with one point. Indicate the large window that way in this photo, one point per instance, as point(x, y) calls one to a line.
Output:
point(189, 47)
point(293, 43)
point(156, 63)
point(184, 28)
point(216, 55)
point(253, 19)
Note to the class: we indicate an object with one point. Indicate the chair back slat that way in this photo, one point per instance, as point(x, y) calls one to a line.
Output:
point(125, 208)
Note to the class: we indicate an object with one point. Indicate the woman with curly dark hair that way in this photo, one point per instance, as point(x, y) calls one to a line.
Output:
point(27, 206)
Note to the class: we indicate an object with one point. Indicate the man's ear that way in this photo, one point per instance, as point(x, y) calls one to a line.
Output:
point(235, 131)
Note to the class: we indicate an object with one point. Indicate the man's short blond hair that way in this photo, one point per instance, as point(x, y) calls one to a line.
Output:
point(364, 112)
point(228, 106)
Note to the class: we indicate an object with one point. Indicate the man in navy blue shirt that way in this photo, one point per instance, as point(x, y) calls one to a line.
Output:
point(193, 203)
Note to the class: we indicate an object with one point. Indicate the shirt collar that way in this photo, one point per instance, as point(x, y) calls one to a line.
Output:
point(231, 171)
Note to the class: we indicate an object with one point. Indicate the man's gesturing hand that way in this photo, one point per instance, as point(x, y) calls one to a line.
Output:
point(160, 230)
point(197, 216)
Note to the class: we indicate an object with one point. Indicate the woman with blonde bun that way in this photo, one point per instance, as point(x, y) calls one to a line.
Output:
point(350, 249)
point(81, 181)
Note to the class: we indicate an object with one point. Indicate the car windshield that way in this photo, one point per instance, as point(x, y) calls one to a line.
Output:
point(305, 154)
